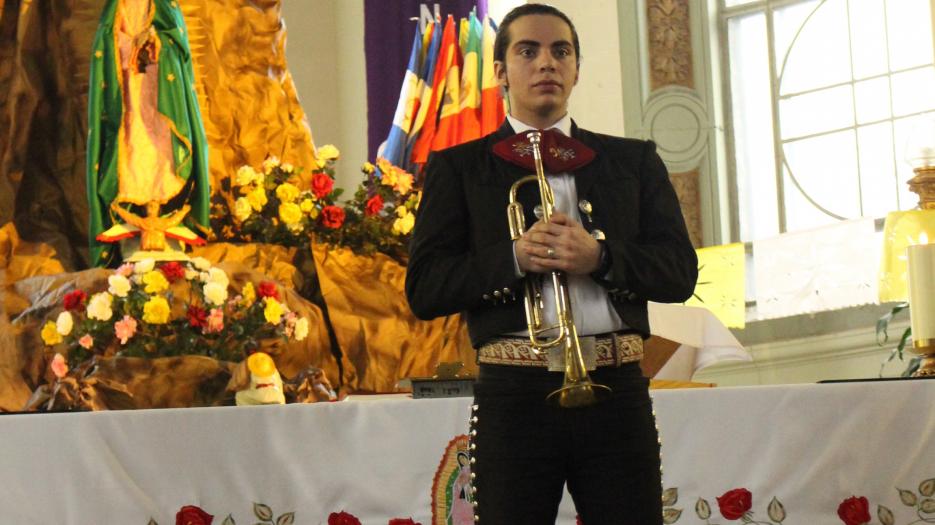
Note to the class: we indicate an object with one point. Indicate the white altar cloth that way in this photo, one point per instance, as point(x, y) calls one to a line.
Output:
point(808, 446)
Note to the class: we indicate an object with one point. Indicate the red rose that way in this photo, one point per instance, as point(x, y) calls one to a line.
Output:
point(192, 515)
point(734, 503)
point(854, 511)
point(75, 300)
point(197, 317)
point(268, 289)
point(332, 216)
point(342, 518)
point(374, 205)
point(322, 185)
point(173, 271)
point(403, 521)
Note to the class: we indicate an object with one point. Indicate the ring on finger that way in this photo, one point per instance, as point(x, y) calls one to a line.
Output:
point(550, 253)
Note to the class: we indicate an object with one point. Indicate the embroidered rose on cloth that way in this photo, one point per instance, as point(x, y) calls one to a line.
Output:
point(734, 503)
point(192, 515)
point(854, 511)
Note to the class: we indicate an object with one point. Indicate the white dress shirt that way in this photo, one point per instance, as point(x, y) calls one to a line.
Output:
point(593, 312)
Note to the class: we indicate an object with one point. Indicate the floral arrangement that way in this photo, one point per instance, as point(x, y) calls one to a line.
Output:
point(169, 309)
point(381, 214)
point(278, 204)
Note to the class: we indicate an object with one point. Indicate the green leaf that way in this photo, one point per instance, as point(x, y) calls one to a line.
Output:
point(908, 497)
point(671, 515)
point(927, 488)
point(263, 512)
point(286, 519)
point(670, 496)
point(885, 515)
point(776, 511)
point(703, 509)
point(927, 506)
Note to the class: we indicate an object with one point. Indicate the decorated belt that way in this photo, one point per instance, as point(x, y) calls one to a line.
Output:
point(611, 350)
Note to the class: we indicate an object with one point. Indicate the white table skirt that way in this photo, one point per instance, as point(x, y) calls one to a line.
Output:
point(808, 446)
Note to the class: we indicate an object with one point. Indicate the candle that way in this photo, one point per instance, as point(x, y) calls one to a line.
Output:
point(922, 295)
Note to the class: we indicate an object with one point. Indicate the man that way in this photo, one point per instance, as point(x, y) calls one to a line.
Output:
point(617, 233)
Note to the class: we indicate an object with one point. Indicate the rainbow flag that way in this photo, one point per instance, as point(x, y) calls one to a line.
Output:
point(469, 115)
point(446, 57)
point(395, 145)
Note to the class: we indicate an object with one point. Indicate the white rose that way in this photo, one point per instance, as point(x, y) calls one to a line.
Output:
point(201, 263)
point(217, 275)
point(64, 323)
point(119, 285)
point(144, 266)
point(215, 293)
point(301, 329)
point(190, 274)
point(99, 306)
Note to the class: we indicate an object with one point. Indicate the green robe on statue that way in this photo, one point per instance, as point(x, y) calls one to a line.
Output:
point(146, 139)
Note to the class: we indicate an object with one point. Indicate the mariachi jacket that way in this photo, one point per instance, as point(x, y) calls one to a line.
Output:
point(461, 255)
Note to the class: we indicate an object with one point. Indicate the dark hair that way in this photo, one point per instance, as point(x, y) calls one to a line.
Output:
point(503, 32)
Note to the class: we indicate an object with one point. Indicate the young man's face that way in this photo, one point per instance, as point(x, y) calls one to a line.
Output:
point(540, 69)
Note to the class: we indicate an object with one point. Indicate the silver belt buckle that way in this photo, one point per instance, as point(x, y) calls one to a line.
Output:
point(588, 352)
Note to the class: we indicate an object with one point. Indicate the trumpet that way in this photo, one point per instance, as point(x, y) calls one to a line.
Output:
point(577, 389)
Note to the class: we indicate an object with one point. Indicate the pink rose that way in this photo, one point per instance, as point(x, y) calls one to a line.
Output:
point(126, 269)
point(125, 329)
point(215, 322)
point(59, 366)
point(86, 341)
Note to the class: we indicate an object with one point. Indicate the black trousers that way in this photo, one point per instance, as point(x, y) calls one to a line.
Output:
point(525, 450)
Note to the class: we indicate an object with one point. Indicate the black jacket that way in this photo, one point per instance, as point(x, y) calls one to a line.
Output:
point(461, 255)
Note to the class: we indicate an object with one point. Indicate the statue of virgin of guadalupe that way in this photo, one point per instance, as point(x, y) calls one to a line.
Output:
point(147, 159)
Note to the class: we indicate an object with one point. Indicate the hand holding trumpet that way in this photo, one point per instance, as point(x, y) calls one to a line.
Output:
point(561, 244)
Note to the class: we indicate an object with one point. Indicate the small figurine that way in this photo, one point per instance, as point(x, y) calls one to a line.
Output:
point(265, 384)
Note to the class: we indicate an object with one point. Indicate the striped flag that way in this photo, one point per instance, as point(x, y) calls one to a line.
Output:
point(447, 133)
point(469, 127)
point(424, 94)
point(446, 56)
point(492, 109)
point(395, 145)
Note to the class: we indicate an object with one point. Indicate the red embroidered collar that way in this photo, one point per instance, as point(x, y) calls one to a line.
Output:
point(560, 153)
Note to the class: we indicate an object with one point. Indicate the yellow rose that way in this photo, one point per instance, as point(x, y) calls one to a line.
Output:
point(405, 222)
point(384, 165)
point(257, 199)
point(403, 183)
point(242, 209)
point(290, 213)
point(118, 285)
point(367, 168)
point(389, 178)
point(155, 282)
point(156, 310)
point(307, 205)
point(328, 152)
point(249, 294)
point(50, 335)
point(313, 213)
point(245, 175)
point(287, 192)
point(288, 168)
point(273, 311)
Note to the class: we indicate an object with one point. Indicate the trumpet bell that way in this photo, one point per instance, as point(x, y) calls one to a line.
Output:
point(574, 395)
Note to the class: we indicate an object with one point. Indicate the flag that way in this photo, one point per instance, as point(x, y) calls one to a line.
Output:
point(426, 77)
point(446, 56)
point(721, 283)
point(396, 141)
point(492, 110)
point(446, 134)
point(469, 127)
